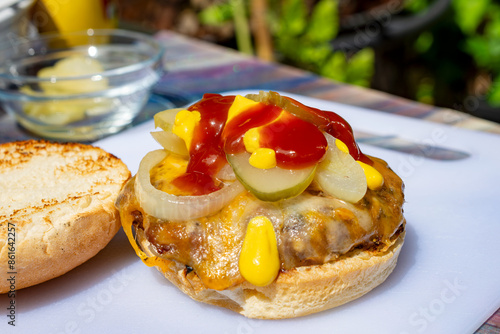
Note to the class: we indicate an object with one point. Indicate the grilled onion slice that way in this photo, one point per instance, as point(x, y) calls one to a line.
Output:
point(340, 175)
point(170, 207)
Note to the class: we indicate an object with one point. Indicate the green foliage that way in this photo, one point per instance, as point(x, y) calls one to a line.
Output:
point(424, 42)
point(485, 46)
point(242, 28)
point(324, 23)
point(425, 91)
point(293, 20)
point(415, 6)
point(480, 22)
point(494, 94)
point(303, 38)
point(217, 14)
point(357, 69)
point(302, 34)
point(474, 27)
point(224, 12)
point(469, 14)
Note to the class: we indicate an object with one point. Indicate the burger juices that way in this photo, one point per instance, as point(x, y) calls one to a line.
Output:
point(250, 189)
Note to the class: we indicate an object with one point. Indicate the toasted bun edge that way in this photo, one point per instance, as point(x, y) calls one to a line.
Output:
point(52, 235)
point(298, 292)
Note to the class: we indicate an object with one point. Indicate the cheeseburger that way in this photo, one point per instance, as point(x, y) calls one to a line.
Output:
point(264, 206)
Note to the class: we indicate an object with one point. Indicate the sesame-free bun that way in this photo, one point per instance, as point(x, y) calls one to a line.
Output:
point(56, 208)
point(297, 292)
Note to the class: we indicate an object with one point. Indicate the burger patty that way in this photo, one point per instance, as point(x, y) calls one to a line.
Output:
point(311, 229)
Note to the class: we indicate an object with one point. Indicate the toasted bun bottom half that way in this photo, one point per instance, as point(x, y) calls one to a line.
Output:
point(298, 292)
point(56, 208)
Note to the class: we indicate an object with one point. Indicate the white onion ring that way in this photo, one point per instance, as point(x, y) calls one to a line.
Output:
point(166, 206)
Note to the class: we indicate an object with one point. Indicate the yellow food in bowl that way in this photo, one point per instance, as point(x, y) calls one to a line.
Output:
point(62, 112)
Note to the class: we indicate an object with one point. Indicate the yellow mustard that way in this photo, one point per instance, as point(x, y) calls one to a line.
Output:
point(341, 146)
point(263, 158)
point(184, 124)
point(374, 179)
point(259, 259)
point(251, 140)
point(239, 105)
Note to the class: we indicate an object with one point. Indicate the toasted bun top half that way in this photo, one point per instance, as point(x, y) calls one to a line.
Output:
point(56, 207)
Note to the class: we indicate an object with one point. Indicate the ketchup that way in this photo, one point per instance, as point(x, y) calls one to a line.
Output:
point(236, 128)
point(331, 123)
point(206, 153)
point(296, 137)
point(297, 143)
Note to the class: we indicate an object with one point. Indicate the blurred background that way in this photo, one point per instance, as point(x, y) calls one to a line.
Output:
point(440, 52)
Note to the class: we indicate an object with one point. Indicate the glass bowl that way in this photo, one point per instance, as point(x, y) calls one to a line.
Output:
point(14, 19)
point(78, 86)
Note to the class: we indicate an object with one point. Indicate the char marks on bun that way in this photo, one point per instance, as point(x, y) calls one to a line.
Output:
point(56, 207)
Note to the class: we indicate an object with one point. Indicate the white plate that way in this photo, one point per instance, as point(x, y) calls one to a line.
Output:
point(447, 279)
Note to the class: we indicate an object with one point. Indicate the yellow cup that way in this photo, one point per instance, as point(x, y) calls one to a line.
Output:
point(74, 15)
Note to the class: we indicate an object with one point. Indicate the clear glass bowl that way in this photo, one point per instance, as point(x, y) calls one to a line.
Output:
point(14, 19)
point(79, 86)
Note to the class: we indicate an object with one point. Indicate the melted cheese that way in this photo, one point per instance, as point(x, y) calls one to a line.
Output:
point(167, 170)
